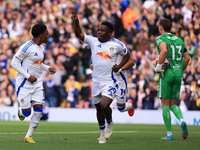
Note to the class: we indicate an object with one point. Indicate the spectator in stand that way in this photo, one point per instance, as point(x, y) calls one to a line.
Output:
point(141, 94)
point(71, 62)
point(148, 100)
point(57, 16)
point(85, 92)
point(85, 56)
point(57, 77)
point(72, 92)
point(194, 98)
point(183, 101)
point(11, 93)
point(4, 99)
point(3, 61)
point(146, 68)
point(133, 96)
point(142, 41)
point(130, 32)
point(49, 87)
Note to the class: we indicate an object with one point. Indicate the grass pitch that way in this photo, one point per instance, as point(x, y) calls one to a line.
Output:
point(83, 136)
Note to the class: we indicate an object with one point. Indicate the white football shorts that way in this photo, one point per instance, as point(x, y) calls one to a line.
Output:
point(121, 92)
point(102, 89)
point(30, 96)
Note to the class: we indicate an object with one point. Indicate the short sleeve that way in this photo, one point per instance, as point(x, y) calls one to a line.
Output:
point(88, 39)
point(123, 51)
point(159, 41)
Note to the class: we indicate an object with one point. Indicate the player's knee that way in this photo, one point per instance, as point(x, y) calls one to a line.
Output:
point(104, 107)
point(121, 107)
point(26, 113)
point(38, 109)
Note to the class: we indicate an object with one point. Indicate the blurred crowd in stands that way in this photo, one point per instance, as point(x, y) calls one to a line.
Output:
point(135, 23)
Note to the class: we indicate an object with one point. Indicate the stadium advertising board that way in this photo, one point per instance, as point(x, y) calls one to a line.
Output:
point(88, 115)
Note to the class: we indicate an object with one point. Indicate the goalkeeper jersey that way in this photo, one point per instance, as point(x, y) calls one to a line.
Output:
point(175, 47)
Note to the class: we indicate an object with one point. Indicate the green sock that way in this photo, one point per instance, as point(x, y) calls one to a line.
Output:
point(177, 111)
point(167, 117)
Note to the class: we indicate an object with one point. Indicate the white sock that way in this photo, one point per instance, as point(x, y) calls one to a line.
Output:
point(169, 133)
point(35, 119)
point(181, 120)
point(102, 131)
point(127, 107)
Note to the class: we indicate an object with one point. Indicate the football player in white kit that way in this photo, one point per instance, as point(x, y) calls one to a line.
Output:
point(29, 85)
point(120, 91)
point(121, 88)
point(104, 56)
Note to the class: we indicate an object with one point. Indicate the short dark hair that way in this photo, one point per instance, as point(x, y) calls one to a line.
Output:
point(38, 29)
point(166, 24)
point(109, 25)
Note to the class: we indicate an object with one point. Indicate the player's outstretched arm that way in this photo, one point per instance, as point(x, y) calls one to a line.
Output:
point(186, 59)
point(77, 29)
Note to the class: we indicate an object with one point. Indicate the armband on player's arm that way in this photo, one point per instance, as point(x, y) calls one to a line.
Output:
point(16, 64)
point(45, 67)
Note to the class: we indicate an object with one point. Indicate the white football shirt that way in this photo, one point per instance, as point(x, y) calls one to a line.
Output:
point(28, 61)
point(104, 57)
point(124, 72)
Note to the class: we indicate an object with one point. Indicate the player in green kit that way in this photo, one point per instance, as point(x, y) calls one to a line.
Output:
point(169, 83)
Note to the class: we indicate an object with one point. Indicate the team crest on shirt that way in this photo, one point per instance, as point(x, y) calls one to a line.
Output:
point(22, 101)
point(111, 49)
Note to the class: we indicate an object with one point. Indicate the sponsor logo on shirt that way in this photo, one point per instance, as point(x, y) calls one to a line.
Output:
point(172, 38)
point(21, 54)
point(176, 67)
point(38, 62)
point(158, 41)
point(36, 54)
point(104, 55)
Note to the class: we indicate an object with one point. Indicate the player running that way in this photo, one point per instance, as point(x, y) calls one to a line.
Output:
point(104, 57)
point(120, 79)
point(29, 85)
point(169, 83)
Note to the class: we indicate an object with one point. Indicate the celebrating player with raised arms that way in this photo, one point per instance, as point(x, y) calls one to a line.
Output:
point(104, 57)
point(169, 83)
point(29, 85)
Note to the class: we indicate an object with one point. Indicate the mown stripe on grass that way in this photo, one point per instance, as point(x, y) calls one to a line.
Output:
point(90, 132)
point(70, 132)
